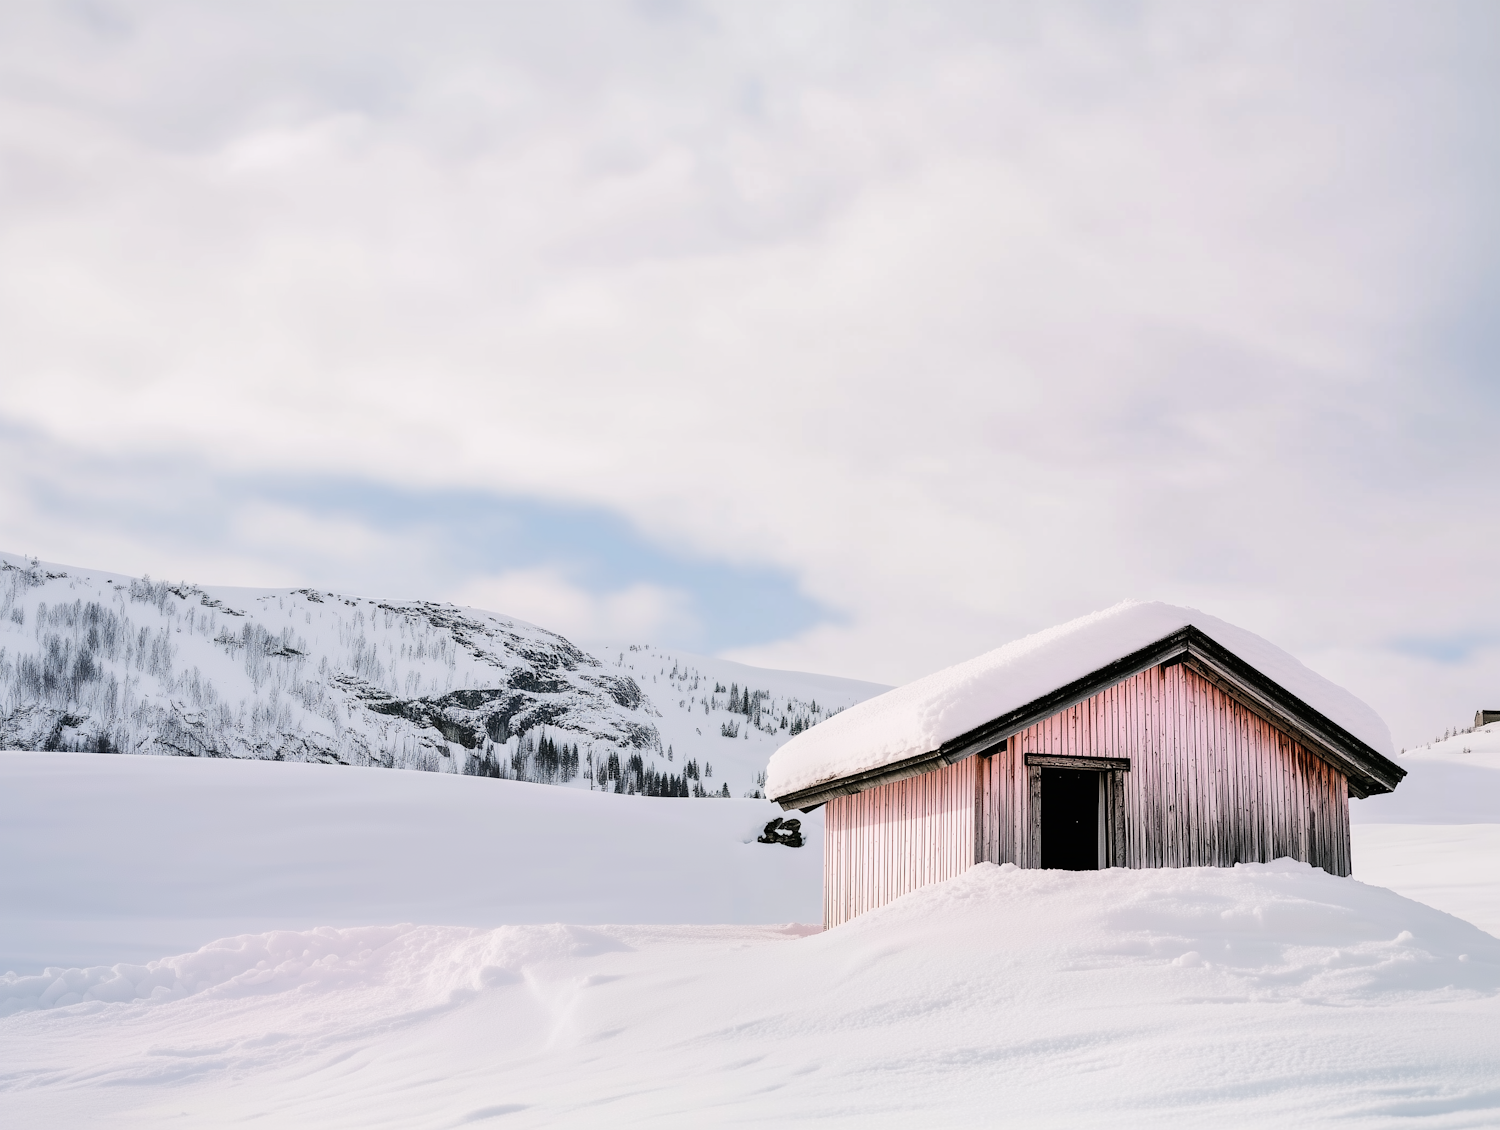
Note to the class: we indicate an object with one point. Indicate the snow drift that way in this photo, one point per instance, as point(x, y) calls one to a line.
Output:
point(919, 717)
point(1261, 995)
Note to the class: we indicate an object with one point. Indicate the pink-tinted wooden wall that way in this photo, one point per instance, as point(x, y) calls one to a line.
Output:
point(882, 843)
point(1210, 783)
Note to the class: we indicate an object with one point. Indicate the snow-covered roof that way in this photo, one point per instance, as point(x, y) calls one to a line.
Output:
point(919, 717)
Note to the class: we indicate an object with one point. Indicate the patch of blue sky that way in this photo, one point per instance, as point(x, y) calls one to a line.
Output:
point(1443, 649)
point(481, 533)
point(183, 509)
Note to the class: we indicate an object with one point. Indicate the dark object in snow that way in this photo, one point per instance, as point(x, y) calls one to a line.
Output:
point(779, 831)
point(1485, 717)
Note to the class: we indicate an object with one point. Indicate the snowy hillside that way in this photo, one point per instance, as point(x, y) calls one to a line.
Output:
point(106, 663)
point(725, 718)
point(1451, 781)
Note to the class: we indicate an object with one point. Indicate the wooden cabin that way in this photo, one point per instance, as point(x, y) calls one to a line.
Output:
point(1144, 736)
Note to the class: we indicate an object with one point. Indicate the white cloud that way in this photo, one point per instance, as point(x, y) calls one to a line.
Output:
point(549, 598)
point(288, 528)
point(971, 318)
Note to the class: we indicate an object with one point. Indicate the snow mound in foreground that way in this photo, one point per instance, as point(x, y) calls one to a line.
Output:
point(1260, 931)
point(424, 961)
point(919, 717)
point(1276, 930)
point(1263, 995)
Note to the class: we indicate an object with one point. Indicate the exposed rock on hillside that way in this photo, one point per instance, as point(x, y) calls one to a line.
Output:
point(95, 662)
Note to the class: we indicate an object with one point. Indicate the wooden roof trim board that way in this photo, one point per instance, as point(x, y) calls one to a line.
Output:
point(1368, 771)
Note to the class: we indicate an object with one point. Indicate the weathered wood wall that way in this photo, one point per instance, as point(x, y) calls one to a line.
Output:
point(1210, 783)
point(882, 843)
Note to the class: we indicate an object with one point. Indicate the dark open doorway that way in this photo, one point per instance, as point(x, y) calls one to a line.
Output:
point(1070, 819)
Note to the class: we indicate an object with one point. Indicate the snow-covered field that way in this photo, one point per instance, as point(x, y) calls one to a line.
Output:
point(1437, 837)
point(1254, 996)
point(106, 858)
point(1265, 995)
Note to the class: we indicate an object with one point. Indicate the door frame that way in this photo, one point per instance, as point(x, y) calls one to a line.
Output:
point(1111, 772)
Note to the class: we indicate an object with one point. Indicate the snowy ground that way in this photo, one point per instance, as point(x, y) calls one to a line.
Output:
point(106, 858)
point(1437, 837)
point(1259, 996)
point(1454, 867)
point(1255, 996)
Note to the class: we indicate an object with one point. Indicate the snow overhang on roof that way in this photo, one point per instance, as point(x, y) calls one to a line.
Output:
point(974, 706)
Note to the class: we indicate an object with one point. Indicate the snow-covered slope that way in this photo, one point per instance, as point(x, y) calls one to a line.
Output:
point(101, 662)
point(1437, 837)
point(1454, 781)
point(725, 715)
point(1266, 995)
point(107, 859)
point(919, 717)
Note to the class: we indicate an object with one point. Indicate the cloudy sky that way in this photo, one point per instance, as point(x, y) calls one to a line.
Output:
point(857, 338)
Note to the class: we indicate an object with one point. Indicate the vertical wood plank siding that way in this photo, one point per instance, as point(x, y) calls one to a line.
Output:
point(882, 843)
point(1210, 785)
